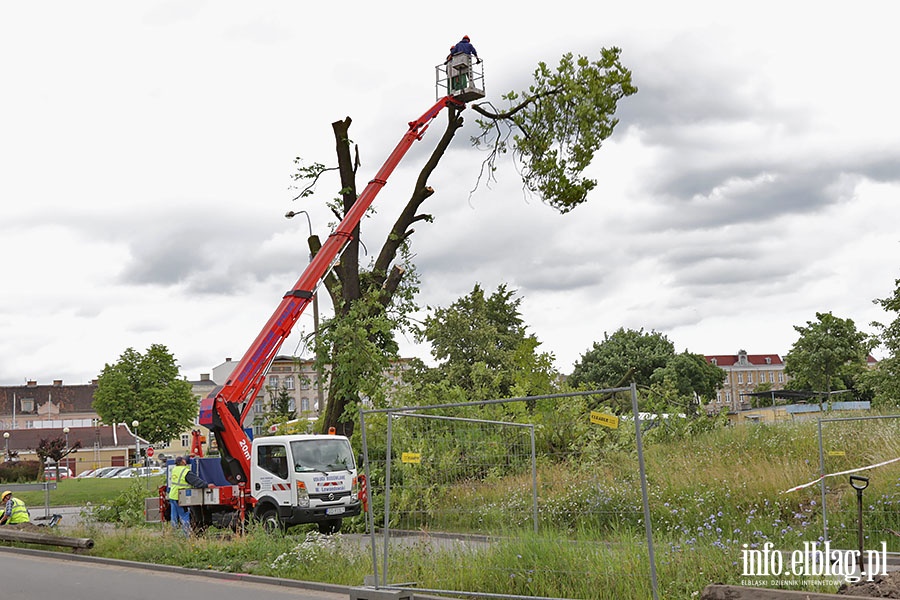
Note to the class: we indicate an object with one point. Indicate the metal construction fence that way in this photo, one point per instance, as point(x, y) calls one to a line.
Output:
point(852, 469)
point(502, 489)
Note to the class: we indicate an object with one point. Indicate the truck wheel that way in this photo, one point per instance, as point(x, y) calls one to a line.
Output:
point(270, 521)
point(330, 526)
point(199, 519)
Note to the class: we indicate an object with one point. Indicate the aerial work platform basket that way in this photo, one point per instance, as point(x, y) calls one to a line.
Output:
point(460, 76)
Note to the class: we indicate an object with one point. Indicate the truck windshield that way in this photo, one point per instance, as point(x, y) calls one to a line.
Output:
point(325, 455)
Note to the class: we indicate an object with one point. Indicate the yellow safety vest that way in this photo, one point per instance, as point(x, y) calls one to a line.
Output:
point(19, 513)
point(178, 481)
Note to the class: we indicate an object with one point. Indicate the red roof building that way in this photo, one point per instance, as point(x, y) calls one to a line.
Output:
point(744, 373)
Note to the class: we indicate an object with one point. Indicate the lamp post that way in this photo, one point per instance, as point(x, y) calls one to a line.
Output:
point(66, 453)
point(137, 442)
point(319, 391)
point(6, 439)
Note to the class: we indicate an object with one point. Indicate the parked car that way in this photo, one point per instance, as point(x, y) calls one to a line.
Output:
point(113, 472)
point(84, 474)
point(145, 472)
point(103, 471)
point(50, 473)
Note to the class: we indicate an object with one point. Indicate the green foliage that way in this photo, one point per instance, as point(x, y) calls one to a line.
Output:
point(691, 375)
point(829, 350)
point(359, 346)
point(20, 471)
point(146, 388)
point(677, 383)
point(281, 411)
point(625, 356)
point(566, 115)
point(884, 381)
point(484, 348)
point(126, 509)
point(358, 343)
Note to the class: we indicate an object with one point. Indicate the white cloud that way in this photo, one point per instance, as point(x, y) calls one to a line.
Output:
point(148, 151)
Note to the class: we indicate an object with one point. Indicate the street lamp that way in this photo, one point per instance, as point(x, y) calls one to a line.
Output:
point(66, 454)
point(319, 392)
point(66, 431)
point(137, 442)
point(6, 439)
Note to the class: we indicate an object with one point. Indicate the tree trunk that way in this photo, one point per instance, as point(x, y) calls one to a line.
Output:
point(345, 288)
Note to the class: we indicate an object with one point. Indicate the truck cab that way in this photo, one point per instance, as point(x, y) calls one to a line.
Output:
point(304, 479)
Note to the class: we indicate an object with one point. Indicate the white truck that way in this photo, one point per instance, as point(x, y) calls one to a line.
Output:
point(294, 479)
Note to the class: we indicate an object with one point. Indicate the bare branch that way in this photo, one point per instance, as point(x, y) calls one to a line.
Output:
point(508, 114)
point(306, 191)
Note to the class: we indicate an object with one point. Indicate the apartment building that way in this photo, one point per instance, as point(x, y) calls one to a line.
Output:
point(744, 373)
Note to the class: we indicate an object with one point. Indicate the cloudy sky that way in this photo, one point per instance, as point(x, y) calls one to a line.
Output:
point(146, 153)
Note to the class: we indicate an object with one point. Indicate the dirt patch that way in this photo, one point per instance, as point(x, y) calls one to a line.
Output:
point(32, 528)
point(882, 586)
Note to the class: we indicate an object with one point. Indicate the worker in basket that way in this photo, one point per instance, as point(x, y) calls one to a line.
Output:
point(460, 63)
point(14, 510)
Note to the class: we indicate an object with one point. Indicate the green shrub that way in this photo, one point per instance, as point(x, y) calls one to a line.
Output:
point(20, 471)
point(126, 509)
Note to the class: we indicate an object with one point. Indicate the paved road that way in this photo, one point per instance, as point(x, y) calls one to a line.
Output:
point(29, 575)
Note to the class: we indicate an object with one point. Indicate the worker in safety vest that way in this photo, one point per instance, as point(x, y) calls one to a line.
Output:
point(182, 478)
point(14, 511)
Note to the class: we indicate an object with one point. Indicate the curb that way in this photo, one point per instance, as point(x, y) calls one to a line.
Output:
point(220, 575)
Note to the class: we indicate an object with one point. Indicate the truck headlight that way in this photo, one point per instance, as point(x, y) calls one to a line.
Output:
point(302, 495)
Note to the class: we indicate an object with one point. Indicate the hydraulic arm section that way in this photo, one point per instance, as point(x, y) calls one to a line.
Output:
point(220, 411)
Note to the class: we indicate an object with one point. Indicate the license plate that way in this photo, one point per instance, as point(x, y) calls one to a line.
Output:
point(334, 510)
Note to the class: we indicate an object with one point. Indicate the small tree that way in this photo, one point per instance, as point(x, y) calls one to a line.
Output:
point(484, 347)
point(280, 406)
point(146, 388)
point(884, 381)
point(625, 356)
point(827, 349)
point(55, 449)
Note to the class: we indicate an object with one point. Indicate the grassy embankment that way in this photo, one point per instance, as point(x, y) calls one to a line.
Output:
point(710, 495)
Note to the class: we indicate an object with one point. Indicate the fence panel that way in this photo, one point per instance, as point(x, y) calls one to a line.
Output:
point(875, 468)
point(500, 490)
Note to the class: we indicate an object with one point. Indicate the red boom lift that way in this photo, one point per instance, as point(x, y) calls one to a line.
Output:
point(221, 411)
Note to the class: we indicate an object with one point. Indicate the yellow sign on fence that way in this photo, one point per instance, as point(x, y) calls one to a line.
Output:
point(411, 457)
point(611, 421)
point(836, 453)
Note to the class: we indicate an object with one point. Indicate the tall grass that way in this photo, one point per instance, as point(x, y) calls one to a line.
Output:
point(712, 496)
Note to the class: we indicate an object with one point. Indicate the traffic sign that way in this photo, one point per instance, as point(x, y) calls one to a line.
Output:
point(150, 451)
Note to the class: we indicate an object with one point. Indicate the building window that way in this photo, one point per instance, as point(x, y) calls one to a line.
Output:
point(771, 376)
point(185, 440)
point(273, 381)
point(781, 378)
point(292, 405)
point(27, 405)
point(740, 378)
point(749, 377)
point(304, 383)
point(304, 405)
point(289, 382)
